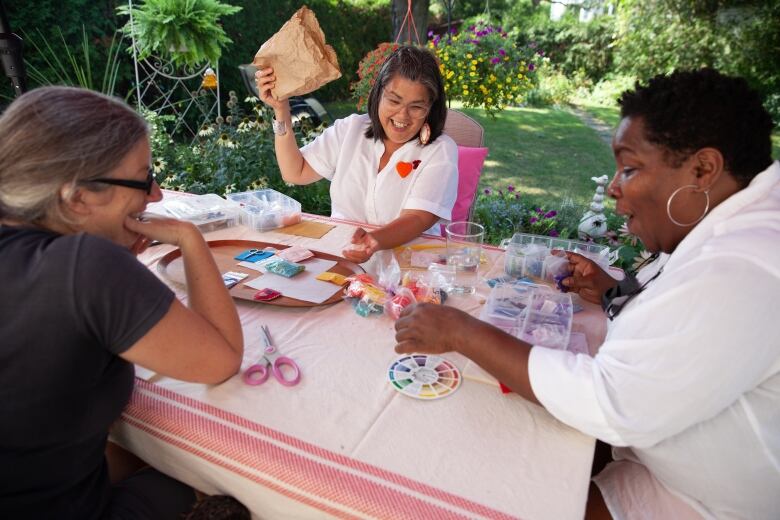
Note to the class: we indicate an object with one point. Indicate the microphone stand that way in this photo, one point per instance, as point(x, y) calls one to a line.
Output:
point(11, 54)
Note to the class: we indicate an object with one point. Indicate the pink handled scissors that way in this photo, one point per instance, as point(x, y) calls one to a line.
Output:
point(258, 373)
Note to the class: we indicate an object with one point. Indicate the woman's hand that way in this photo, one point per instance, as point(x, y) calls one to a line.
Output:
point(433, 329)
point(587, 279)
point(160, 229)
point(266, 80)
point(365, 246)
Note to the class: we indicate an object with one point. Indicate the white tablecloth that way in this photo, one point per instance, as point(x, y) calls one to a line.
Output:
point(344, 443)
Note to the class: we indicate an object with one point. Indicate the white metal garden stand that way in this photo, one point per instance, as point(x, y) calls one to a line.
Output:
point(163, 88)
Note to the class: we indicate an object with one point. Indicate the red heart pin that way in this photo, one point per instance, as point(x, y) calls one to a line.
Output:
point(404, 169)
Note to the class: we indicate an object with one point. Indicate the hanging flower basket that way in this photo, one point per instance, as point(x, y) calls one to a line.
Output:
point(367, 72)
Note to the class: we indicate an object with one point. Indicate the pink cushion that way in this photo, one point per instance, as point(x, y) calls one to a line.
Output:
point(470, 162)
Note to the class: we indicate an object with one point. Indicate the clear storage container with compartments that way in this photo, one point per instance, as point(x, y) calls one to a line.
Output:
point(534, 313)
point(532, 255)
point(209, 212)
point(266, 209)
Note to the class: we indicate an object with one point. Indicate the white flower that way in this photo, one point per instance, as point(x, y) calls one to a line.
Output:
point(643, 258)
point(626, 234)
point(206, 130)
point(251, 99)
point(224, 140)
point(159, 165)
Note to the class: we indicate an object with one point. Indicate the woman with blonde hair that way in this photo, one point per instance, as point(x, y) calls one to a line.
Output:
point(78, 309)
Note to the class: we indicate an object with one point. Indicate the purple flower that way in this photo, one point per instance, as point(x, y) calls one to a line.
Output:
point(502, 52)
point(495, 60)
point(472, 27)
point(540, 211)
point(510, 188)
point(430, 34)
point(533, 220)
point(553, 233)
point(517, 196)
point(474, 41)
point(531, 66)
point(487, 191)
point(550, 214)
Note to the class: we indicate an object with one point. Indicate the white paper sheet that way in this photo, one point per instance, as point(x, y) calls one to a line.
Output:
point(303, 286)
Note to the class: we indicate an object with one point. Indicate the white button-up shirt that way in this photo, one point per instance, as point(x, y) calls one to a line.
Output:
point(343, 155)
point(688, 378)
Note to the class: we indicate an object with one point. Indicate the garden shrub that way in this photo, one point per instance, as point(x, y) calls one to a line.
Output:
point(232, 154)
point(484, 67)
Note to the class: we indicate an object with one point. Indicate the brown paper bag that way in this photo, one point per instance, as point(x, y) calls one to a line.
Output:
point(301, 60)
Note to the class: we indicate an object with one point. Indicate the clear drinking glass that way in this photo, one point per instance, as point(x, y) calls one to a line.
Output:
point(464, 249)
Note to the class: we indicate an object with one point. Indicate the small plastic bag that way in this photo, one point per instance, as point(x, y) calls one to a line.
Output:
point(402, 299)
point(284, 268)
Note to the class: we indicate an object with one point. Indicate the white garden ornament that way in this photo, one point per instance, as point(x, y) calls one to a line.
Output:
point(593, 223)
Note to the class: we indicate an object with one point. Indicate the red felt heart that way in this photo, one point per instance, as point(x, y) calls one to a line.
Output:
point(404, 168)
point(416, 163)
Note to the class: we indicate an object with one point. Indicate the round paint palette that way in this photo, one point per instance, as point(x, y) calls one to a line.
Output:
point(424, 377)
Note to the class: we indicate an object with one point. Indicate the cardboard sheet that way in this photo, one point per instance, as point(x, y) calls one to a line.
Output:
point(307, 228)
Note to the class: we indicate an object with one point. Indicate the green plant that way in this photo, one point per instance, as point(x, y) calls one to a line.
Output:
point(232, 154)
point(187, 31)
point(72, 70)
point(367, 71)
point(483, 67)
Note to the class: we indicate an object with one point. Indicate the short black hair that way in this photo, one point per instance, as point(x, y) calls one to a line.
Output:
point(414, 64)
point(689, 110)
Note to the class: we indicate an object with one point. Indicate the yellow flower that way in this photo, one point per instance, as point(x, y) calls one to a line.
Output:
point(490, 100)
point(509, 79)
point(473, 62)
point(450, 74)
point(469, 56)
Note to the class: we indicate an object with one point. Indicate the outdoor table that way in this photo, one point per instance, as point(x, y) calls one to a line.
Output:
point(344, 443)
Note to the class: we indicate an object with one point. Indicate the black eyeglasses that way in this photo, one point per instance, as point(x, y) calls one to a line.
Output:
point(613, 308)
point(136, 185)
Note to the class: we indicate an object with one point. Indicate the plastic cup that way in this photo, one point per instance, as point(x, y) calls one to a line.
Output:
point(464, 249)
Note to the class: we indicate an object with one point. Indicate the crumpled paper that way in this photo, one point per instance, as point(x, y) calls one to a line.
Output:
point(301, 60)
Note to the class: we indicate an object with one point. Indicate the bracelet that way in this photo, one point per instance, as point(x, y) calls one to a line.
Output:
point(280, 127)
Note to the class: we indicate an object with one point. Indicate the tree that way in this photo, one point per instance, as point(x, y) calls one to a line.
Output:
point(420, 15)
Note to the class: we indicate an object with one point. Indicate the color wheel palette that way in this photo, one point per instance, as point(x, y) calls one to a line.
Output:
point(424, 377)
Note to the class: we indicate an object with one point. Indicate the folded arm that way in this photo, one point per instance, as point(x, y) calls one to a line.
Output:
point(204, 341)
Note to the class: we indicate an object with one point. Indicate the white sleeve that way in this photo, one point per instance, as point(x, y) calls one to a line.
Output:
point(322, 154)
point(674, 359)
point(436, 188)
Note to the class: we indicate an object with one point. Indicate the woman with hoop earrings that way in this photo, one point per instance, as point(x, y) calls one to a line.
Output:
point(686, 386)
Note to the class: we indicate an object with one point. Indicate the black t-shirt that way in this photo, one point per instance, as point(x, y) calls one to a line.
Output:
point(68, 305)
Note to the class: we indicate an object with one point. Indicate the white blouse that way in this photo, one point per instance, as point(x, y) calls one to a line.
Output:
point(688, 378)
point(343, 155)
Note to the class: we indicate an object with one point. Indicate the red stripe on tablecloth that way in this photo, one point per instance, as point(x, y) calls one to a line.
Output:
point(322, 480)
point(235, 469)
point(337, 458)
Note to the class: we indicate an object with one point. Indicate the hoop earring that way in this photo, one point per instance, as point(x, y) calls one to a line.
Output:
point(674, 194)
point(425, 134)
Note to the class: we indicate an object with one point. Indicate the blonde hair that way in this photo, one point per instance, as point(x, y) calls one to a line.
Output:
point(53, 137)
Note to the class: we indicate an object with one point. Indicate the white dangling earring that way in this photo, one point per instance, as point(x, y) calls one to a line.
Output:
point(674, 194)
point(425, 134)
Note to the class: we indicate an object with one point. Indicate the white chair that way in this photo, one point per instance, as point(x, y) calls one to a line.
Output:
point(468, 134)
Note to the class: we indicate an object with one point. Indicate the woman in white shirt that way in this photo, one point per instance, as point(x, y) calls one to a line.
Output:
point(391, 167)
point(686, 386)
